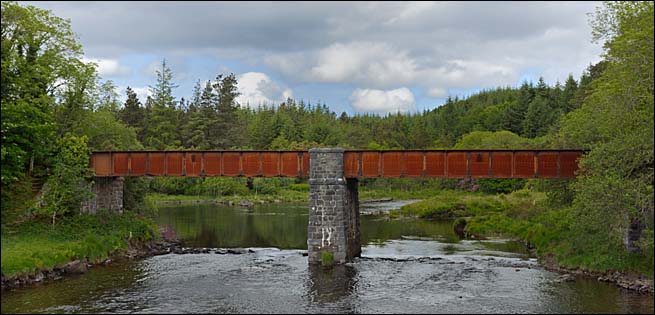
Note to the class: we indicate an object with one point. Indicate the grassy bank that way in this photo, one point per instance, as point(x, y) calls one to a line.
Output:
point(450, 204)
point(526, 215)
point(37, 245)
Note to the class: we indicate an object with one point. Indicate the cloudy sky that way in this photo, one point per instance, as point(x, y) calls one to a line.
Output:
point(355, 57)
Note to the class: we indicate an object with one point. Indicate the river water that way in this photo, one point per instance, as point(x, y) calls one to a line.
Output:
point(407, 266)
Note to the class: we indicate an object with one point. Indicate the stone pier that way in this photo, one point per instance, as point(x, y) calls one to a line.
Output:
point(333, 230)
point(108, 194)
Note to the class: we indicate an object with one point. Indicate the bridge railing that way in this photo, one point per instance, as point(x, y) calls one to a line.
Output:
point(357, 163)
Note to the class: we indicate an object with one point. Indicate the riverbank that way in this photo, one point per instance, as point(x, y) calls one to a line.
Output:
point(298, 193)
point(546, 231)
point(35, 251)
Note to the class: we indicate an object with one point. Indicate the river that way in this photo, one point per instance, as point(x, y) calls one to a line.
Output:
point(407, 266)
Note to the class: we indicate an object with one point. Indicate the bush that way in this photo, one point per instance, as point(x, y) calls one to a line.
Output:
point(500, 185)
point(270, 185)
point(222, 186)
point(173, 185)
point(68, 185)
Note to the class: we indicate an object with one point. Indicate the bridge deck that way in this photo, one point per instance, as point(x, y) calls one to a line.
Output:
point(362, 164)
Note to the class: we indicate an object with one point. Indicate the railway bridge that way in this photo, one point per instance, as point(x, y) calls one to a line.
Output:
point(333, 175)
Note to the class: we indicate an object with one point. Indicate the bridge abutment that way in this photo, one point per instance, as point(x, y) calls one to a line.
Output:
point(108, 194)
point(333, 230)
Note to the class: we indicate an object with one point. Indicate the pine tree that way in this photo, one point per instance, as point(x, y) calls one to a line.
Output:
point(163, 130)
point(132, 114)
point(514, 114)
point(570, 88)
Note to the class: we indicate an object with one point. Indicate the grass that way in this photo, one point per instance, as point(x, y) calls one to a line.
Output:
point(36, 245)
point(552, 234)
point(449, 204)
point(397, 194)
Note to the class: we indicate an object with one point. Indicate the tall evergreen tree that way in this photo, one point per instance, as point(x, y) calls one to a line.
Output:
point(163, 130)
point(515, 113)
point(570, 88)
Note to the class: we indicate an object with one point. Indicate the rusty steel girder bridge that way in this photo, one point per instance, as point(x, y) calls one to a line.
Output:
point(333, 226)
point(356, 163)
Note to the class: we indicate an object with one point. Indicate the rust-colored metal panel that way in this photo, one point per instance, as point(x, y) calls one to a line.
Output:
point(212, 163)
point(290, 164)
point(351, 164)
point(231, 164)
point(193, 163)
point(547, 164)
point(251, 163)
point(174, 163)
point(414, 164)
point(501, 164)
point(102, 164)
point(156, 164)
point(392, 164)
point(138, 163)
point(305, 164)
point(435, 164)
point(120, 164)
point(568, 164)
point(371, 164)
point(270, 164)
point(479, 164)
point(524, 164)
point(457, 164)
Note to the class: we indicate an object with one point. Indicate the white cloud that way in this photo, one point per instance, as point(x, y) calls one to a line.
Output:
point(374, 64)
point(257, 88)
point(108, 67)
point(378, 64)
point(470, 73)
point(382, 66)
point(437, 92)
point(380, 101)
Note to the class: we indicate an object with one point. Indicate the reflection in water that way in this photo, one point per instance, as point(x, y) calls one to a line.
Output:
point(330, 285)
point(281, 226)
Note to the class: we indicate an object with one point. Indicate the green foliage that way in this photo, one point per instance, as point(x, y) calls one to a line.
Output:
point(68, 186)
point(174, 185)
point(270, 185)
point(615, 122)
point(500, 185)
point(38, 51)
point(299, 187)
point(541, 115)
point(493, 140)
point(134, 192)
point(222, 186)
point(106, 133)
point(327, 258)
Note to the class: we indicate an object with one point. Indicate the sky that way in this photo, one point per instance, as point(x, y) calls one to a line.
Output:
point(357, 57)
